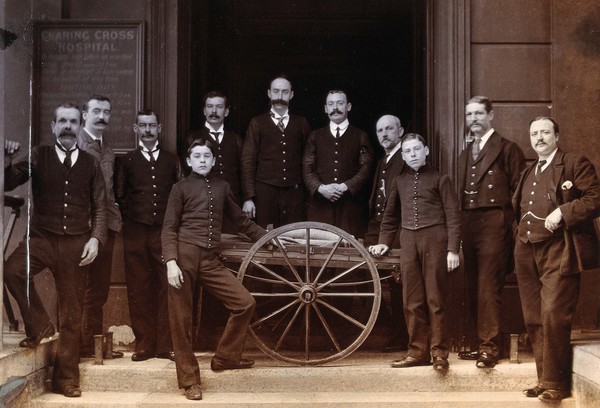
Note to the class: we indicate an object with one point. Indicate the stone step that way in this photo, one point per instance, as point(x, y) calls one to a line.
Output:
point(299, 398)
point(359, 372)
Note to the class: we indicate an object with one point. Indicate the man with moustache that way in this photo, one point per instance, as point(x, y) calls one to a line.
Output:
point(556, 201)
point(272, 186)
point(228, 146)
point(96, 116)
point(389, 133)
point(143, 182)
point(337, 169)
point(67, 226)
point(488, 172)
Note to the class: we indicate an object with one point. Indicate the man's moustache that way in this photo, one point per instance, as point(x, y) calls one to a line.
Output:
point(215, 116)
point(67, 133)
point(279, 102)
point(334, 112)
point(102, 121)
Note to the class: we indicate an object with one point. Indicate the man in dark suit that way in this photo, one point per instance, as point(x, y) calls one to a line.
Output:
point(228, 145)
point(389, 133)
point(337, 169)
point(143, 182)
point(96, 116)
point(272, 161)
point(67, 227)
point(488, 172)
point(556, 201)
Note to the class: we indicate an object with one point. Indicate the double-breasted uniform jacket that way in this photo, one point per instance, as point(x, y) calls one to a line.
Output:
point(500, 163)
point(229, 156)
point(106, 158)
point(576, 190)
point(273, 157)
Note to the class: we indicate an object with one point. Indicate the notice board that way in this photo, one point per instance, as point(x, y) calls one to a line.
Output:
point(73, 60)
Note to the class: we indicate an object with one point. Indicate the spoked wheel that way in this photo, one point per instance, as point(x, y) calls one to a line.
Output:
point(317, 298)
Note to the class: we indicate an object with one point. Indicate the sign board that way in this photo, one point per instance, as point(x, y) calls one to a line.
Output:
point(73, 60)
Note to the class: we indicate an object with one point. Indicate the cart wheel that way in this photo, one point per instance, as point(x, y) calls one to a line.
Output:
point(316, 301)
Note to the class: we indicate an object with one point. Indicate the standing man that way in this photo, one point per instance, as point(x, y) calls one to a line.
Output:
point(143, 183)
point(272, 161)
point(66, 229)
point(488, 172)
point(389, 133)
point(556, 202)
point(337, 168)
point(228, 146)
point(96, 116)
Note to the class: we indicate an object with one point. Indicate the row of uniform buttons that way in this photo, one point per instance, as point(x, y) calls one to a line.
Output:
point(335, 160)
point(154, 194)
point(283, 160)
point(210, 212)
point(472, 183)
point(416, 200)
point(65, 205)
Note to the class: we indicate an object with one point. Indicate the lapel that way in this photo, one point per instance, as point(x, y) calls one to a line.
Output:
point(492, 147)
point(558, 168)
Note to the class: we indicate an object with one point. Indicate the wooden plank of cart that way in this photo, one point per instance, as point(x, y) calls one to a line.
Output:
point(318, 290)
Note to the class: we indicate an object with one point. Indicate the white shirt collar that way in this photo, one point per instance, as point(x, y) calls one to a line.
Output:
point(343, 127)
point(62, 155)
point(210, 129)
point(485, 138)
point(92, 136)
point(549, 159)
point(389, 155)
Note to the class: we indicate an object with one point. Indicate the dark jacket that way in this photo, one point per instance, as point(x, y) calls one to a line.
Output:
point(69, 202)
point(142, 188)
point(195, 214)
point(497, 180)
point(576, 190)
point(273, 157)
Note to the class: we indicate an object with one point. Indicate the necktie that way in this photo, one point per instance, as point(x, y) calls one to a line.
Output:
point(337, 132)
point(67, 162)
point(280, 124)
point(216, 136)
point(538, 169)
point(150, 153)
point(98, 142)
point(476, 149)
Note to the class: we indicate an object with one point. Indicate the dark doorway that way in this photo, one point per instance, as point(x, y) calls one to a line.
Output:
point(371, 49)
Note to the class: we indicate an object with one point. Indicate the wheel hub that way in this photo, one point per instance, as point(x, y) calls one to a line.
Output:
point(308, 294)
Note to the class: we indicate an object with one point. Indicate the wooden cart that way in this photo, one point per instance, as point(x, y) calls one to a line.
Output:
point(318, 290)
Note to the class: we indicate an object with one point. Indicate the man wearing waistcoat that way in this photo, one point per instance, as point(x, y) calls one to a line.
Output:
point(228, 145)
point(96, 116)
point(488, 172)
point(389, 133)
point(272, 186)
point(555, 203)
point(337, 169)
point(143, 182)
point(67, 226)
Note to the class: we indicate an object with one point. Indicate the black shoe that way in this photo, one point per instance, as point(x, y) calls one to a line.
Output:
point(486, 360)
point(33, 342)
point(70, 391)
point(193, 392)
point(533, 392)
point(468, 355)
point(142, 355)
point(440, 363)
point(217, 365)
point(409, 362)
point(166, 355)
point(553, 395)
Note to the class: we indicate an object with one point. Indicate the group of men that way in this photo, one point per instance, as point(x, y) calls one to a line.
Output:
point(283, 172)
